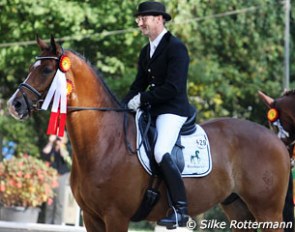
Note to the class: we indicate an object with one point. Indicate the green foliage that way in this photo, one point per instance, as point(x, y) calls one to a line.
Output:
point(234, 56)
point(19, 132)
point(236, 48)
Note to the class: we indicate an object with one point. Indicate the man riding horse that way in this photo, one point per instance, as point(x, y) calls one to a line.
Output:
point(161, 84)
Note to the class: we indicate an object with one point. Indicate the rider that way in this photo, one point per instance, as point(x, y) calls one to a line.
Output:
point(161, 83)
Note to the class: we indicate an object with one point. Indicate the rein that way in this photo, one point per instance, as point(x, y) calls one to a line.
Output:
point(70, 109)
point(106, 109)
point(80, 108)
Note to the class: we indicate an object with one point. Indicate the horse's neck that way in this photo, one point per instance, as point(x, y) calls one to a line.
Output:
point(89, 89)
point(90, 130)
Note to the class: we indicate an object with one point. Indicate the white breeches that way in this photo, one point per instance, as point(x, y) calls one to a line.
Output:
point(168, 127)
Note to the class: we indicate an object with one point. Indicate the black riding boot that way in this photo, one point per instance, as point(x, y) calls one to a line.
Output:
point(174, 182)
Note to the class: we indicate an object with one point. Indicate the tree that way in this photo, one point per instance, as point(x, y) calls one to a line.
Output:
point(81, 27)
point(236, 48)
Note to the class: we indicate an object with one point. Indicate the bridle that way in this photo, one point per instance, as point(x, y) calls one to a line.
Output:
point(283, 134)
point(40, 96)
point(40, 99)
point(37, 104)
point(36, 93)
point(286, 138)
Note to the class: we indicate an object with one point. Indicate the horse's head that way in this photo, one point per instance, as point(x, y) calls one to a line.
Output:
point(281, 115)
point(30, 94)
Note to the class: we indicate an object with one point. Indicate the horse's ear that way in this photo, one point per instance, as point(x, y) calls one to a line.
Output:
point(42, 45)
point(266, 99)
point(285, 91)
point(55, 47)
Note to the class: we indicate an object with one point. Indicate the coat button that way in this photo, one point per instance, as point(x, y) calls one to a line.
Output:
point(153, 77)
point(149, 70)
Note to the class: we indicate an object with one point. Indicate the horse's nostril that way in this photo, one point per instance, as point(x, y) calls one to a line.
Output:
point(17, 104)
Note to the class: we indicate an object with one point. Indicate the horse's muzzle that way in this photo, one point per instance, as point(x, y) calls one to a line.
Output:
point(18, 108)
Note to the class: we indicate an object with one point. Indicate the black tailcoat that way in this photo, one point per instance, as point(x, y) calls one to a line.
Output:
point(162, 79)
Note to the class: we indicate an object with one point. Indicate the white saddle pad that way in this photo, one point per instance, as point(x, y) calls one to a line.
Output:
point(196, 152)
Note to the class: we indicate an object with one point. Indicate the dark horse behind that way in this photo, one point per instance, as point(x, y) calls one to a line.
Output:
point(281, 116)
point(249, 161)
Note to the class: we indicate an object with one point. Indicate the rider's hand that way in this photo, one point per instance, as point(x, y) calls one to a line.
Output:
point(134, 103)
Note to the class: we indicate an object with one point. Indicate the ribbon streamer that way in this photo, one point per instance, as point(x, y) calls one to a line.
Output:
point(57, 92)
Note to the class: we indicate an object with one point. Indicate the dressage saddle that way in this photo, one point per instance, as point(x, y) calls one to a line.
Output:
point(148, 132)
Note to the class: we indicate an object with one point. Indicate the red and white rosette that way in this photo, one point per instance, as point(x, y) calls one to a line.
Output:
point(58, 93)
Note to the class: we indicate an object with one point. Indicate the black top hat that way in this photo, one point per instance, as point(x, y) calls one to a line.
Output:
point(152, 8)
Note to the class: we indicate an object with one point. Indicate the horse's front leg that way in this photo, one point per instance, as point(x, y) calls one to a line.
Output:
point(93, 224)
point(110, 223)
point(116, 222)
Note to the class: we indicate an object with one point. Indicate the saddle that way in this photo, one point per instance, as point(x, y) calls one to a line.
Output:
point(148, 133)
point(192, 158)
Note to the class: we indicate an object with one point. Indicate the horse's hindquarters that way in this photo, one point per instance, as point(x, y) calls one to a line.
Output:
point(254, 162)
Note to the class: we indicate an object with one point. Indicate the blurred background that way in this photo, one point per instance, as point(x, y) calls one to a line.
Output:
point(236, 48)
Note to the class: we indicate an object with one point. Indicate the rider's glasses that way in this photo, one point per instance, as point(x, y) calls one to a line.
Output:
point(142, 18)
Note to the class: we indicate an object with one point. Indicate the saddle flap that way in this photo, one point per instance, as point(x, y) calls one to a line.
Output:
point(148, 136)
point(148, 133)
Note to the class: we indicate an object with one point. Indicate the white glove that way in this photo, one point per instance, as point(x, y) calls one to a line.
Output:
point(134, 103)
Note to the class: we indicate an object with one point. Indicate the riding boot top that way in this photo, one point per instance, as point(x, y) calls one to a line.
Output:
point(176, 189)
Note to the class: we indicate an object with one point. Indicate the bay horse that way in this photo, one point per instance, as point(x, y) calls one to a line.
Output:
point(249, 161)
point(281, 116)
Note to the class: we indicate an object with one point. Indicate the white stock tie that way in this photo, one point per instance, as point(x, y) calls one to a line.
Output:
point(152, 50)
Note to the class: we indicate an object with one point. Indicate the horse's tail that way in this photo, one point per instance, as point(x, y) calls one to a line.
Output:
point(288, 213)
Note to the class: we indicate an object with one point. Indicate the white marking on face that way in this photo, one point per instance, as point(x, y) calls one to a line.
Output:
point(10, 105)
point(16, 92)
point(37, 63)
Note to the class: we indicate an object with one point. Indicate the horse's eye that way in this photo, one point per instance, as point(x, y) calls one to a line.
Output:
point(47, 70)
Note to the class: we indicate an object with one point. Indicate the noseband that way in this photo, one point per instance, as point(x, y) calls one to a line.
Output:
point(36, 93)
point(34, 106)
point(40, 99)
